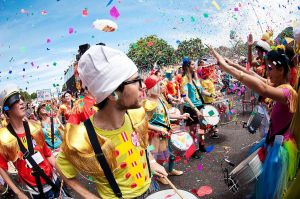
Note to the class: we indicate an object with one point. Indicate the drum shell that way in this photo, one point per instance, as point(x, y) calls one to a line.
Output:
point(248, 170)
point(173, 148)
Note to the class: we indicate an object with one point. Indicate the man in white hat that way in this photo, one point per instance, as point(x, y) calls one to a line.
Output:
point(110, 146)
point(23, 143)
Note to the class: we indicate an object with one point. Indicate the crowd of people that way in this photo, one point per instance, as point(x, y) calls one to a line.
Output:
point(126, 129)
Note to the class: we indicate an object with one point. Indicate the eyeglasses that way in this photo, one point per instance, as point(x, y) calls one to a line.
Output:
point(138, 79)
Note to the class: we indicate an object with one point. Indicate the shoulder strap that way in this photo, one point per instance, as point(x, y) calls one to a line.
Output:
point(27, 154)
point(201, 98)
point(52, 131)
point(101, 158)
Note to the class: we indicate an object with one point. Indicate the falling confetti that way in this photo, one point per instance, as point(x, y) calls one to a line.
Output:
point(150, 43)
point(216, 5)
point(209, 148)
point(193, 19)
point(110, 1)
point(205, 15)
point(85, 12)
point(23, 11)
point(71, 30)
point(44, 12)
point(114, 13)
point(54, 63)
point(48, 40)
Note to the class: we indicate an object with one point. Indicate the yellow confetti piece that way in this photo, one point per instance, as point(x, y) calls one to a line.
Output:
point(216, 5)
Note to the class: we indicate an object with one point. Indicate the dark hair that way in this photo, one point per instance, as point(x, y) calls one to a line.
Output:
point(290, 53)
point(282, 61)
point(102, 104)
point(185, 66)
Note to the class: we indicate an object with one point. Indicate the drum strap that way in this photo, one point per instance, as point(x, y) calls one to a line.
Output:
point(52, 131)
point(200, 96)
point(37, 171)
point(101, 158)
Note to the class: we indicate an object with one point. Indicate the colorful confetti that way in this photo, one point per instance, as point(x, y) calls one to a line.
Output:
point(114, 13)
point(205, 15)
point(216, 5)
point(209, 148)
point(200, 167)
point(71, 30)
point(110, 1)
point(85, 12)
point(204, 190)
point(44, 12)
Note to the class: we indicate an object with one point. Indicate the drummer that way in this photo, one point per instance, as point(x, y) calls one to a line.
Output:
point(191, 91)
point(209, 86)
point(159, 127)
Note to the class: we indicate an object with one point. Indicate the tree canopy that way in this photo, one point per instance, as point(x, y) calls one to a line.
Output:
point(193, 48)
point(151, 50)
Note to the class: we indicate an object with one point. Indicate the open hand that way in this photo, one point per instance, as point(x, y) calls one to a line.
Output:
point(250, 40)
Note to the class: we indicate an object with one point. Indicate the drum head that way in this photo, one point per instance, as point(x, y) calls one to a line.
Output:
point(181, 140)
point(211, 114)
point(171, 194)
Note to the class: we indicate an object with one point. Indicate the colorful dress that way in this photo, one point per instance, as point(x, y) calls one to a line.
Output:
point(280, 160)
point(159, 140)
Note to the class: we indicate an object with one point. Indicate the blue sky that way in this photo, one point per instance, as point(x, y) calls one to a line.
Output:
point(23, 40)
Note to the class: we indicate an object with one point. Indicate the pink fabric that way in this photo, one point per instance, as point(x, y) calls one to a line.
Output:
point(281, 115)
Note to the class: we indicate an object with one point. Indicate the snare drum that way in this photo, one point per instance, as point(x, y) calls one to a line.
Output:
point(211, 115)
point(171, 194)
point(180, 142)
point(247, 171)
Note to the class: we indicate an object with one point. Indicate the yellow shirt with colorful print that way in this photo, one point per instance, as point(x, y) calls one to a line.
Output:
point(209, 86)
point(132, 173)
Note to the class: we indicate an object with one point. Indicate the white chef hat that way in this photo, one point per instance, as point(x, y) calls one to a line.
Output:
point(102, 69)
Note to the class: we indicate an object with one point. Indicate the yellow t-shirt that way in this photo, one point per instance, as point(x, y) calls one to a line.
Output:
point(209, 86)
point(132, 173)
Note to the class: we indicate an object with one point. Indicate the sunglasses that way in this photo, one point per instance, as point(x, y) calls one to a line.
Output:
point(138, 79)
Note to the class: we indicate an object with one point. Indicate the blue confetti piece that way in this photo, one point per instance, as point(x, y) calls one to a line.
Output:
point(209, 148)
point(298, 7)
point(178, 42)
point(109, 3)
point(5, 108)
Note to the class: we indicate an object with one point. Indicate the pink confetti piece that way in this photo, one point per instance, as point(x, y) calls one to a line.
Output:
point(232, 111)
point(236, 9)
point(204, 190)
point(150, 43)
point(44, 12)
point(48, 40)
point(114, 13)
point(200, 167)
point(71, 30)
point(85, 12)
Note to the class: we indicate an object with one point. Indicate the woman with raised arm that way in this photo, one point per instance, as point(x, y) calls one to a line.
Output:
point(281, 166)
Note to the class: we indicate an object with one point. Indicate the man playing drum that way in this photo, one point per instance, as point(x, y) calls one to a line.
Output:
point(117, 132)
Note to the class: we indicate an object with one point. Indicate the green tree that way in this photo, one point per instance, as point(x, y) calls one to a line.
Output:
point(193, 48)
point(25, 95)
point(33, 95)
point(147, 52)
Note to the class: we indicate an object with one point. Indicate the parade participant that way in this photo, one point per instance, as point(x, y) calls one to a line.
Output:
point(83, 108)
point(66, 107)
point(23, 144)
point(172, 92)
point(284, 106)
point(209, 86)
point(159, 124)
point(191, 91)
point(262, 48)
point(117, 132)
point(51, 128)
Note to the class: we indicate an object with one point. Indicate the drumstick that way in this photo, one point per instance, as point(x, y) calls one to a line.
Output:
point(173, 187)
point(191, 118)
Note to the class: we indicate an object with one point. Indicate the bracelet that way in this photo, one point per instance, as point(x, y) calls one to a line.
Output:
point(241, 76)
point(152, 161)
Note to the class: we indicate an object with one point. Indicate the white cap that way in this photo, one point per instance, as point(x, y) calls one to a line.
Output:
point(8, 91)
point(264, 45)
point(102, 69)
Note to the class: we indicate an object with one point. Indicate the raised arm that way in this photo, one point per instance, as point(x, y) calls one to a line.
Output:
point(250, 81)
